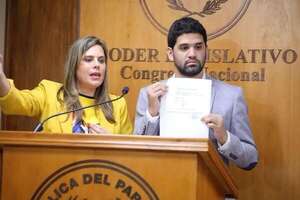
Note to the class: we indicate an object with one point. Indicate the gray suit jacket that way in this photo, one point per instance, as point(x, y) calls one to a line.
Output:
point(228, 101)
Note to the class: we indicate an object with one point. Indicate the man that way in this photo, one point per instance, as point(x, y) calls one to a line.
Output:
point(228, 122)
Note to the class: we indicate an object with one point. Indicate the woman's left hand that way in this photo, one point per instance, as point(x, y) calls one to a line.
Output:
point(96, 128)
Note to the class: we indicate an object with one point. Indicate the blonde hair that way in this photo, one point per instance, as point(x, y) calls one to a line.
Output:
point(69, 90)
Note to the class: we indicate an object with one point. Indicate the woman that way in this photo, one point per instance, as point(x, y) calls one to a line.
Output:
point(85, 83)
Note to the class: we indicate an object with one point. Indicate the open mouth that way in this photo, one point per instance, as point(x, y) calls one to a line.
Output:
point(95, 75)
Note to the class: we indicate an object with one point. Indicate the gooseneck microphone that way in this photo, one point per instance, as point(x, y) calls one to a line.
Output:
point(39, 127)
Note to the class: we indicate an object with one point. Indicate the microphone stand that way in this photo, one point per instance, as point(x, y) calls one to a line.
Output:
point(39, 127)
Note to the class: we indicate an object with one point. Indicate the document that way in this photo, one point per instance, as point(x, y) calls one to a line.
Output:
point(182, 108)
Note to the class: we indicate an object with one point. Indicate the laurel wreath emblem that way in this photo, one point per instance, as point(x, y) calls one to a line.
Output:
point(210, 7)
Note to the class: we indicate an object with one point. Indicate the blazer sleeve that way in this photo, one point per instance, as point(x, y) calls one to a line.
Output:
point(23, 102)
point(142, 126)
point(241, 149)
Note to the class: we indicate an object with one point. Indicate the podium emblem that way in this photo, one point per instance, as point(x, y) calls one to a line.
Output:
point(94, 179)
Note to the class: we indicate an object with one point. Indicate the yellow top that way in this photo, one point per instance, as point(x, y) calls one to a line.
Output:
point(41, 102)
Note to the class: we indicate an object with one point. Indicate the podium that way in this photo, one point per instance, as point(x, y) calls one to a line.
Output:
point(111, 167)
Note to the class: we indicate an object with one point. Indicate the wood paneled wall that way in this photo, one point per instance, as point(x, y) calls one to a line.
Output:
point(38, 36)
point(265, 41)
point(2, 33)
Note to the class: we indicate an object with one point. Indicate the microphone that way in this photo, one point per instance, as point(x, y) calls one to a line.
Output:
point(39, 127)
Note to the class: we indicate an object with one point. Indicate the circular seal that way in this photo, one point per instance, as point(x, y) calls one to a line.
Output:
point(217, 16)
point(94, 179)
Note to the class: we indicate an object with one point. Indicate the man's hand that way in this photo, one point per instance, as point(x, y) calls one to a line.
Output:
point(216, 122)
point(155, 91)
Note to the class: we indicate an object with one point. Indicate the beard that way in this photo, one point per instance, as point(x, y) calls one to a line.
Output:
point(190, 70)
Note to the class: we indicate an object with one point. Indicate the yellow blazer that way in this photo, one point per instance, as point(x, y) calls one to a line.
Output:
point(41, 102)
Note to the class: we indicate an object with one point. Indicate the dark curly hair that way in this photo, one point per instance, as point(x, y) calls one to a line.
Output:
point(185, 25)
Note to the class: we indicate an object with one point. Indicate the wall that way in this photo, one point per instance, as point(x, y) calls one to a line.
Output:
point(264, 43)
point(2, 32)
point(2, 24)
point(39, 34)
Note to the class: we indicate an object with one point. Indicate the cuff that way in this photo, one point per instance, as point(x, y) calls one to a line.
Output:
point(225, 146)
point(150, 118)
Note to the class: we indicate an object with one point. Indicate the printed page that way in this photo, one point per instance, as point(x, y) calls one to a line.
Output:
point(182, 108)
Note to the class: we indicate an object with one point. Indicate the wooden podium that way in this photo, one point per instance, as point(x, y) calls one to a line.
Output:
point(110, 167)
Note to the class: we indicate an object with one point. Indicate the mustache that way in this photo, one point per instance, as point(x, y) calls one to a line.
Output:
point(196, 61)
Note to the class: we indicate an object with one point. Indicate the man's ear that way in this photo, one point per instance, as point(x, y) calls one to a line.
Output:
point(170, 54)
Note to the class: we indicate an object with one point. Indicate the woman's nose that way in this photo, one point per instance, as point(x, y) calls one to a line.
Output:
point(96, 63)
